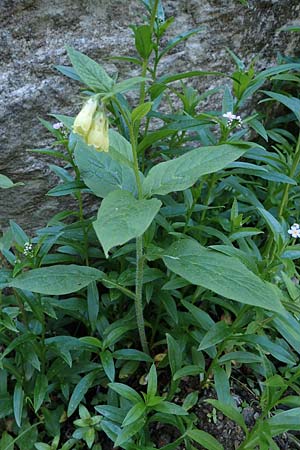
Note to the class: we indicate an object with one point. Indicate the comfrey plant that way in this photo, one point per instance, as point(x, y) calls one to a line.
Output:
point(182, 293)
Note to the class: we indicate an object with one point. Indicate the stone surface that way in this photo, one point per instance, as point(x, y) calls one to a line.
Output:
point(33, 35)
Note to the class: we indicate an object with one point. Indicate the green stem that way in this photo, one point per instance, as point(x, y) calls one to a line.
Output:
point(139, 293)
point(210, 188)
point(21, 306)
point(296, 161)
point(138, 301)
point(80, 205)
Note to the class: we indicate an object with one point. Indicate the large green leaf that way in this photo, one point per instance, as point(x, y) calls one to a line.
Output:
point(181, 173)
point(90, 72)
point(102, 172)
point(222, 274)
point(56, 280)
point(121, 217)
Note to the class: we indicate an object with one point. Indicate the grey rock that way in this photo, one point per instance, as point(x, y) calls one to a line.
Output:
point(33, 35)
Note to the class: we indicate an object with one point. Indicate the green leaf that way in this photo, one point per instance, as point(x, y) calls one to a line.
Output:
point(218, 333)
point(79, 392)
point(241, 357)
point(174, 354)
point(291, 103)
point(170, 408)
point(40, 390)
point(93, 303)
point(18, 401)
point(114, 335)
point(120, 149)
point(169, 304)
point(68, 72)
point(272, 223)
point(90, 72)
point(101, 173)
point(6, 183)
point(111, 412)
point(140, 111)
point(187, 371)
point(126, 392)
point(179, 38)
point(108, 364)
point(56, 280)
point(7, 441)
point(204, 439)
point(230, 412)
point(222, 274)
point(126, 85)
point(151, 382)
point(190, 400)
point(132, 355)
point(204, 319)
point(134, 414)
point(181, 173)
point(129, 431)
point(143, 42)
point(41, 446)
point(285, 421)
point(121, 218)
point(222, 386)
point(67, 188)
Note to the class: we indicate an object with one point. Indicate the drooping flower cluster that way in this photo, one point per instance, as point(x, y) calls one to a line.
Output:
point(92, 124)
point(28, 249)
point(232, 119)
point(294, 231)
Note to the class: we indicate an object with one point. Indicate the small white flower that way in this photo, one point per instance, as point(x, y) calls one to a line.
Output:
point(231, 118)
point(294, 231)
point(58, 125)
point(27, 250)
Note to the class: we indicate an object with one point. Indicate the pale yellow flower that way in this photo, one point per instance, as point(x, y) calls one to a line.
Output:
point(98, 134)
point(83, 120)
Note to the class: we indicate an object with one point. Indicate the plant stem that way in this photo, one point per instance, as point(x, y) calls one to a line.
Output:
point(80, 206)
point(138, 301)
point(296, 161)
point(209, 191)
point(139, 293)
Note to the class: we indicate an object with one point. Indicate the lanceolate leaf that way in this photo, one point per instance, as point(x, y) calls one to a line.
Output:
point(222, 274)
point(80, 390)
point(56, 280)
point(121, 218)
point(291, 103)
point(18, 401)
point(205, 439)
point(181, 173)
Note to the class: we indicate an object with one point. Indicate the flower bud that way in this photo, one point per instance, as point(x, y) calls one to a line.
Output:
point(98, 134)
point(83, 120)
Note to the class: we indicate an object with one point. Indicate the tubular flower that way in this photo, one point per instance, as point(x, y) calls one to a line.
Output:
point(83, 120)
point(98, 134)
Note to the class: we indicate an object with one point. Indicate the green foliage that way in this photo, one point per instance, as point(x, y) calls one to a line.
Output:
point(184, 284)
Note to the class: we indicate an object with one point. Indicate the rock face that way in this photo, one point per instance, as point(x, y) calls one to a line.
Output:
point(33, 36)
